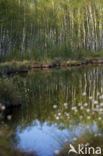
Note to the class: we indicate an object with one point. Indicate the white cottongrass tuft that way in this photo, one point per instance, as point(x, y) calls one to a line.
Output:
point(59, 114)
point(101, 97)
point(9, 117)
point(74, 139)
point(81, 117)
point(84, 94)
point(97, 106)
point(91, 97)
point(101, 109)
point(101, 104)
point(99, 118)
point(56, 152)
point(88, 110)
point(95, 102)
point(67, 114)
point(65, 104)
point(74, 108)
point(87, 144)
point(3, 108)
point(81, 107)
point(88, 117)
point(54, 106)
point(68, 117)
point(57, 118)
point(79, 104)
point(98, 93)
point(85, 104)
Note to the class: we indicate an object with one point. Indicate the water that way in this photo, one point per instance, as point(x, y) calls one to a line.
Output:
point(58, 107)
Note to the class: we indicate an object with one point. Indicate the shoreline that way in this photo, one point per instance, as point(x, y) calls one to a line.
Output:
point(20, 67)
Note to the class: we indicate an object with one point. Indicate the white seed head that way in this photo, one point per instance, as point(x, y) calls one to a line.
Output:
point(54, 106)
point(88, 110)
point(99, 118)
point(57, 118)
point(59, 114)
point(3, 108)
point(87, 144)
point(101, 97)
point(81, 117)
point(98, 93)
point(79, 104)
point(101, 109)
point(74, 139)
point(84, 94)
point(90, 98)
point(9, 117)
point(81, 107)
point(85, 104)
point(67, 114)
point(65, 104)
point(74, 108)
point(101, 104)
point(56, 152)
point(95, 102)
point(88, 117)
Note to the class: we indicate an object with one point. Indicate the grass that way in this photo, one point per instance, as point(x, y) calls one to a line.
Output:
point(14, 62)
point(5, 147)
point(14, 65)
point(62, 52)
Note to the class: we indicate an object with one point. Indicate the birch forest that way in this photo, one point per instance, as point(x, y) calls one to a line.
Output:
point(46, 27)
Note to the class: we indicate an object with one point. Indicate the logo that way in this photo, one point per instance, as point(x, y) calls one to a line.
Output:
point(72, 149)
point(84, 149)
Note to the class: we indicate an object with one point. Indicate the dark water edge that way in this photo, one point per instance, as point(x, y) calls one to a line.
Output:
point(57, 107)
point(23, 67)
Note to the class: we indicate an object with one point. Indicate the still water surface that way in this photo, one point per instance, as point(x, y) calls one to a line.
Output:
point(58, 107)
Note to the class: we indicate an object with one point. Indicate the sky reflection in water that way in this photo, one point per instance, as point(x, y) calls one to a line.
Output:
point(74, 98)
point(44, 138)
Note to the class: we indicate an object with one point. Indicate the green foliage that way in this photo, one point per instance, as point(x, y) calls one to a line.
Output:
point(8, 93)
point(36, 29)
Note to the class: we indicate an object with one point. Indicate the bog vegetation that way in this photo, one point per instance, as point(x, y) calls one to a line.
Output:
point(38, 29)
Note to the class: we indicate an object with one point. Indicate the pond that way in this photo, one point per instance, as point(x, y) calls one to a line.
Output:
point(59, 107)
